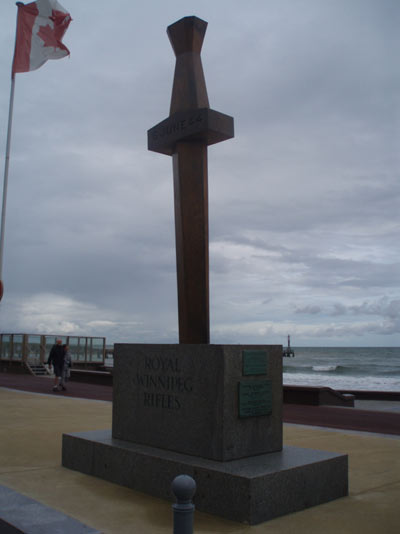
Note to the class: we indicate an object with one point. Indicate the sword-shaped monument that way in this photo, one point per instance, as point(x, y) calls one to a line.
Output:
point(213, 412)
point(185, 135)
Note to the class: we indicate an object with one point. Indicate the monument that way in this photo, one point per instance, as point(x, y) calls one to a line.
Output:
point(191, 126)
point(213, 412)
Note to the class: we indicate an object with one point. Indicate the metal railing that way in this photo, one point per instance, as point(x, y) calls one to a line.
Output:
point(35, 348)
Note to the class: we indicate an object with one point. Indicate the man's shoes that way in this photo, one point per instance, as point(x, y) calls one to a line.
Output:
point(55, 388)
point(63, 388)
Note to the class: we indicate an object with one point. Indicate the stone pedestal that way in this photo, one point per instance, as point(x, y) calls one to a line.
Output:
point(220, 402)
point(250, 490)
point(213, 412)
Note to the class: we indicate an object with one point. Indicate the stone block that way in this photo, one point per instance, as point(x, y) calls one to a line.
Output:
point(249, 490)
point(220, 402)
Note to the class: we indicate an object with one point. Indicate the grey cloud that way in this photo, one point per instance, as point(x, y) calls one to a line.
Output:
point(338, 309)
point(383, 307)
point(309, 310)
point(330, 272)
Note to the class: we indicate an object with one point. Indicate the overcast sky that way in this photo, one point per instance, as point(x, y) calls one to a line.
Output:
point(304, 202)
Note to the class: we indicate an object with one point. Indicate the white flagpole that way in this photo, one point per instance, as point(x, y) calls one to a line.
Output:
point(5, 183)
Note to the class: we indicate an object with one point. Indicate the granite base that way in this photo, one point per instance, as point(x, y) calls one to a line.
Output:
point(249, 490)
point(191, 398)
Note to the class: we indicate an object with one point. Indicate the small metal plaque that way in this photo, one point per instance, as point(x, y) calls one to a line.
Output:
point(255, 362)
point(255, 398)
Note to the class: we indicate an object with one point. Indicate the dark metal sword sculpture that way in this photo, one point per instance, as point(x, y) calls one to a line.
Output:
point(185, 135)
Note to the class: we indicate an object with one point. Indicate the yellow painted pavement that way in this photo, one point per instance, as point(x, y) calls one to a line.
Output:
point(31, 427)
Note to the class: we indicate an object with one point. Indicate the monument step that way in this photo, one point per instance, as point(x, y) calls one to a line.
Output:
point(250, 490)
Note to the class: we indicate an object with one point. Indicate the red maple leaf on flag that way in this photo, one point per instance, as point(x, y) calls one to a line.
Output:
point(61, 22)
point(48, 36)
point(52, 36)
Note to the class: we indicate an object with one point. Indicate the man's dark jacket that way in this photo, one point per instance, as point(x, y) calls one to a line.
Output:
point(56, 356)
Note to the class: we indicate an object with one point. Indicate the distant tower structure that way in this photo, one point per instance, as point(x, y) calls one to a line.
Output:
point(288, 351)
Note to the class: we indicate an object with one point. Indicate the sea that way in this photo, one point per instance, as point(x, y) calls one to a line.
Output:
point(367, 369)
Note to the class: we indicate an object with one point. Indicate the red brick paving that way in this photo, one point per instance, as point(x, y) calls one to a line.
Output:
point(38, 384)
point(343, 418)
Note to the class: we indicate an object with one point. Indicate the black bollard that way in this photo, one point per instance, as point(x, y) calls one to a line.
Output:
point(184, 488)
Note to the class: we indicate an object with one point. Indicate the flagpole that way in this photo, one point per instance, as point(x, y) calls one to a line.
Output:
point(5, 182)
point(22, 62)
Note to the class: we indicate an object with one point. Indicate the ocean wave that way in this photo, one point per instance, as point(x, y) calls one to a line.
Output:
point(324, 368)
point(295, 369)
point(336, 369)
point(334, 381)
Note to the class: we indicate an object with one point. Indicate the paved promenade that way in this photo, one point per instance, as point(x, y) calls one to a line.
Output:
point(31, 426)
point(381, 417)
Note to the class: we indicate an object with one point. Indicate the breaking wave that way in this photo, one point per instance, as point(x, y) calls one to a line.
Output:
point(324, 368)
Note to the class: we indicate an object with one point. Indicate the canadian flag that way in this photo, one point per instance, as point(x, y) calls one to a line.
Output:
point(40, 27)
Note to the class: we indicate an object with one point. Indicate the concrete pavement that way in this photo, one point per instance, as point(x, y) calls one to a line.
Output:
point(30, 463)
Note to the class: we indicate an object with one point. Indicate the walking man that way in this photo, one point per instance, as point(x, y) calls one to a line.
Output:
point(56, 358)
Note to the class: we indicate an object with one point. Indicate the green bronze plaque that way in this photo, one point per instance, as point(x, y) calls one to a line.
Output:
point(255, 398)
point(255, 362)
